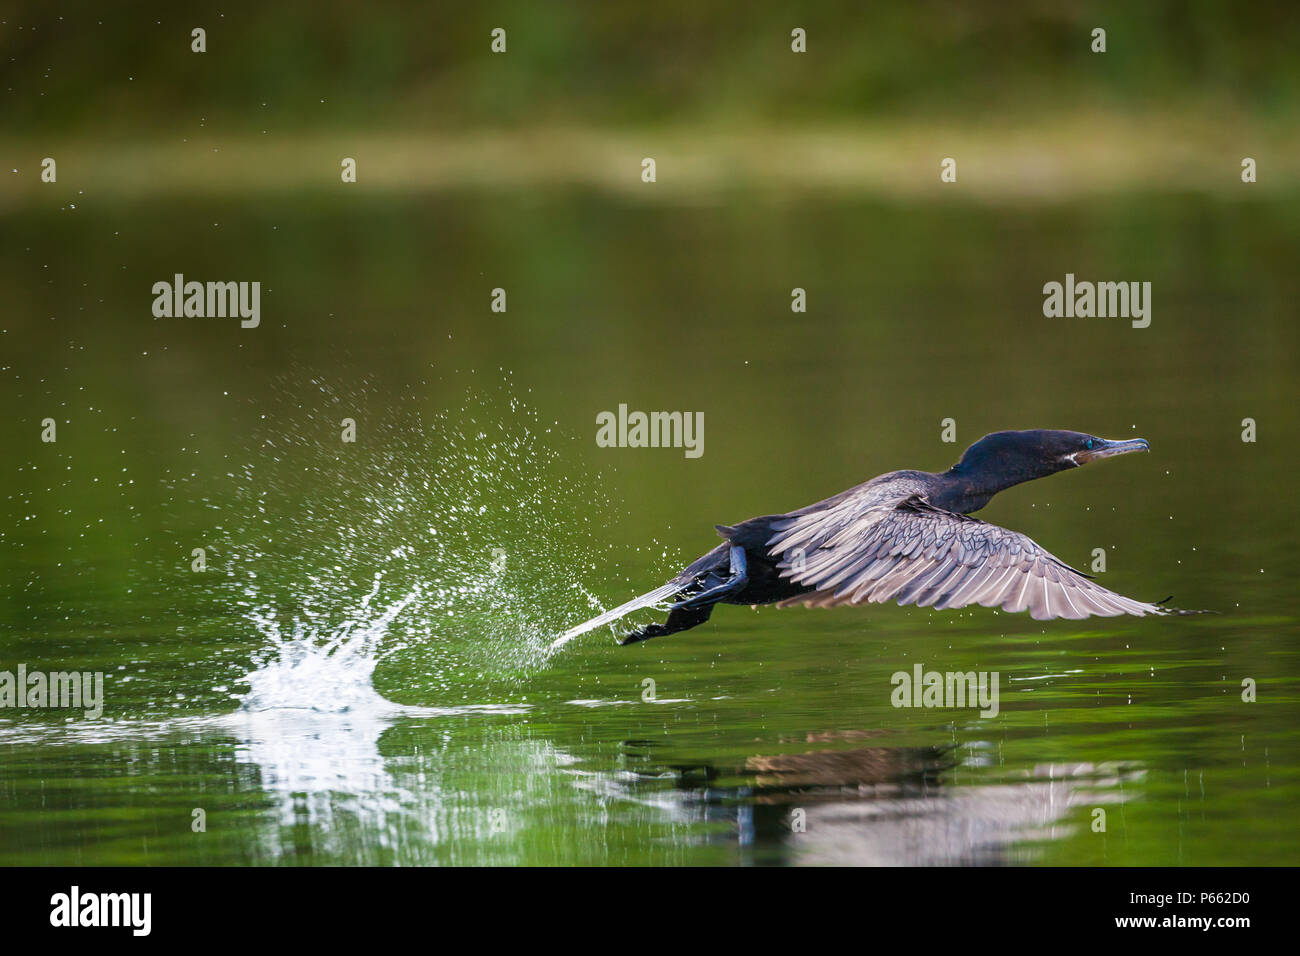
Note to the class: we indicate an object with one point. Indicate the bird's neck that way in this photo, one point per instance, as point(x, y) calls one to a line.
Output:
point(965, 488)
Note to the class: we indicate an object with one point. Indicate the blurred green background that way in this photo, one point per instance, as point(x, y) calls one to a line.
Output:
point(128, 70)
point(585, 91)
point(476, 429)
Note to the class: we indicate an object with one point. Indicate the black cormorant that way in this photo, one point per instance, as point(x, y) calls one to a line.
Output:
point(905, 536)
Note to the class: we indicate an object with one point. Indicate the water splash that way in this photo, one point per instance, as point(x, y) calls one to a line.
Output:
point(334, 675)
point(312, 720)
point(450, 549)
point(655, 598)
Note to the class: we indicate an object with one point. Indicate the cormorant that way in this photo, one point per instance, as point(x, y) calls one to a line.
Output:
point(904, 536)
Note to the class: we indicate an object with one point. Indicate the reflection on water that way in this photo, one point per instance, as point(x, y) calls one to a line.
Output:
point(326, 791)
point(871, 806)
point(865, 807)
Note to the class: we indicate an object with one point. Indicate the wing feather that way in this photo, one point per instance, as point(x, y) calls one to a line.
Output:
point(909, 551)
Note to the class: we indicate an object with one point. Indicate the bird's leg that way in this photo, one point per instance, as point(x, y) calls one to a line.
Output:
point(696, 609)
point(738, 579)
point(677, 621)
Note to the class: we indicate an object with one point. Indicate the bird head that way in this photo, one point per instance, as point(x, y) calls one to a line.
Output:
point(1011, 457)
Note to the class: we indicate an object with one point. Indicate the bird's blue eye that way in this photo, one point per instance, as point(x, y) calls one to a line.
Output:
point(1089, 442)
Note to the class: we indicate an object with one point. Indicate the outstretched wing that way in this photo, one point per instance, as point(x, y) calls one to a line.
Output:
point(909, 551)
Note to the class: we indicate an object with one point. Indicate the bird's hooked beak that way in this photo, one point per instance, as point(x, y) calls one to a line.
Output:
point(1108, 449)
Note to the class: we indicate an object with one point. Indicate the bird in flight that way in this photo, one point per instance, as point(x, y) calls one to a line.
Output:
point(905, 536)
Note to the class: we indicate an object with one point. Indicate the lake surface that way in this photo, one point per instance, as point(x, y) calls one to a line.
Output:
point(360, 676)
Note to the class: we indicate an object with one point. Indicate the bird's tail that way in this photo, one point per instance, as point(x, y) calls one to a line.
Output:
point(636, 604)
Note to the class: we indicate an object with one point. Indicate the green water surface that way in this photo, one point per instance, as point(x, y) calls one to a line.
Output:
point(476, 491)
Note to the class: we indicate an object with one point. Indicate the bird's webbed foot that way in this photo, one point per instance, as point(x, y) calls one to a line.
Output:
point(644, 634)
point(679, 620)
